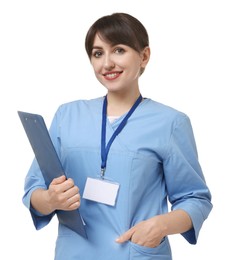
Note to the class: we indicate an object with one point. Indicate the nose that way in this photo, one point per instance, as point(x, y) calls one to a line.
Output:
point(108, 62)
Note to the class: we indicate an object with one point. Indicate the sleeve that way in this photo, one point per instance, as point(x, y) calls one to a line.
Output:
point(186, 185)
point(34, 180)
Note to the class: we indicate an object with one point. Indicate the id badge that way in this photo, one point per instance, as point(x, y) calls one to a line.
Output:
point(101, 190)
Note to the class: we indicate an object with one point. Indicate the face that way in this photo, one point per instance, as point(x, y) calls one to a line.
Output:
point(117, 67)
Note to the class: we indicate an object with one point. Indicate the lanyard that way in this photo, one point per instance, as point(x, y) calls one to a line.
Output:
point(104, 148)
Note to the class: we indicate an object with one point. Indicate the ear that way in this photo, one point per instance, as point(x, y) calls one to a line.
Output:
point(145, 57)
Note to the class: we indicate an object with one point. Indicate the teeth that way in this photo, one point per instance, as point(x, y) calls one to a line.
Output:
point(111, 75)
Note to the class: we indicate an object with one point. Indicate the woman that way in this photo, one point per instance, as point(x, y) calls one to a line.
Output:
point(125, 156)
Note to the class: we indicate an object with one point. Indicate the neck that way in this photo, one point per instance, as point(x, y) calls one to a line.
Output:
point(119, 104)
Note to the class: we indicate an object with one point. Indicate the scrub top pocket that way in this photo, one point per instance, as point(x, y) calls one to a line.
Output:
point(162, 251)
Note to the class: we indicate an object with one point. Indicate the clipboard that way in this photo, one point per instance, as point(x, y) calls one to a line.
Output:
point(50, 164)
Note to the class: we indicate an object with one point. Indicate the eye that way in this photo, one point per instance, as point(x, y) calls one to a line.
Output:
point(97, 54)
point(119, 50)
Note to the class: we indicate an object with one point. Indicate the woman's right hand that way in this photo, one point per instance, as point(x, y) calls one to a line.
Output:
point(62, 194)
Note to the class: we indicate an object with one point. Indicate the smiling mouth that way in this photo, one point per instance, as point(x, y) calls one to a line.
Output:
point(112, 75)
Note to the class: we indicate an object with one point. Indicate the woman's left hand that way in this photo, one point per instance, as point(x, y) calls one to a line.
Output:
point(147, 233)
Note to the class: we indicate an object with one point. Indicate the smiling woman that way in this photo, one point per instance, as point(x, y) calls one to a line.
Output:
point(122, 173)
point(118, 68)
point(119, 54)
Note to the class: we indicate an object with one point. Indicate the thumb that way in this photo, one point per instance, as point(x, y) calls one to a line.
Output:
point(58, 180)
point(125, 236)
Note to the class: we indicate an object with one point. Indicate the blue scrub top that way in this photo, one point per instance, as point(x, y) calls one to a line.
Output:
point(154, 159)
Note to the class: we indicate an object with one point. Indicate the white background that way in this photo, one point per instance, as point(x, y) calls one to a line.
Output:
point(194, 67)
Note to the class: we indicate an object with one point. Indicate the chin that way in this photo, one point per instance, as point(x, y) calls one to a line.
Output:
point(113, 88)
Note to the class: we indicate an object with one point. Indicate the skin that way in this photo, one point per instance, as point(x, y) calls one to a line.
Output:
point(118, 69)
point(62, 194)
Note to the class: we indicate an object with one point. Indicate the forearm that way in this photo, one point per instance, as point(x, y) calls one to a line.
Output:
point(40, 201)
point(175, 222)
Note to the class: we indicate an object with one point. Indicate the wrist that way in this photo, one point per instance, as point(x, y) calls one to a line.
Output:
point(40, 201)
point(48, 205)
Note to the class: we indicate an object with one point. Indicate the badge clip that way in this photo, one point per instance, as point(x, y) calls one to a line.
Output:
point(103, 172)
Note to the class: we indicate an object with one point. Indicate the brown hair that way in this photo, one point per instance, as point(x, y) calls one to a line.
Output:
point(118, 28)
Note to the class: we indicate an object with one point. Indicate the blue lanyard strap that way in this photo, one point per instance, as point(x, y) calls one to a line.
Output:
point(104, 148)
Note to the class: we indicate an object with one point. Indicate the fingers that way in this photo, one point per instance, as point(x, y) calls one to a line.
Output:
point(126, 236)
point(72, 196)
point(58, 180)
point(64, 193)
point(61, 184)
point(74, 202)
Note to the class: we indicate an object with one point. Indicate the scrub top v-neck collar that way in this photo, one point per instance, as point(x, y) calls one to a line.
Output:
point(105, 147)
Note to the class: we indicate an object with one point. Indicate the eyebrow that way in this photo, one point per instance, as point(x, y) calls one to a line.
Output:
point(112, 45)
point(96, 47)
